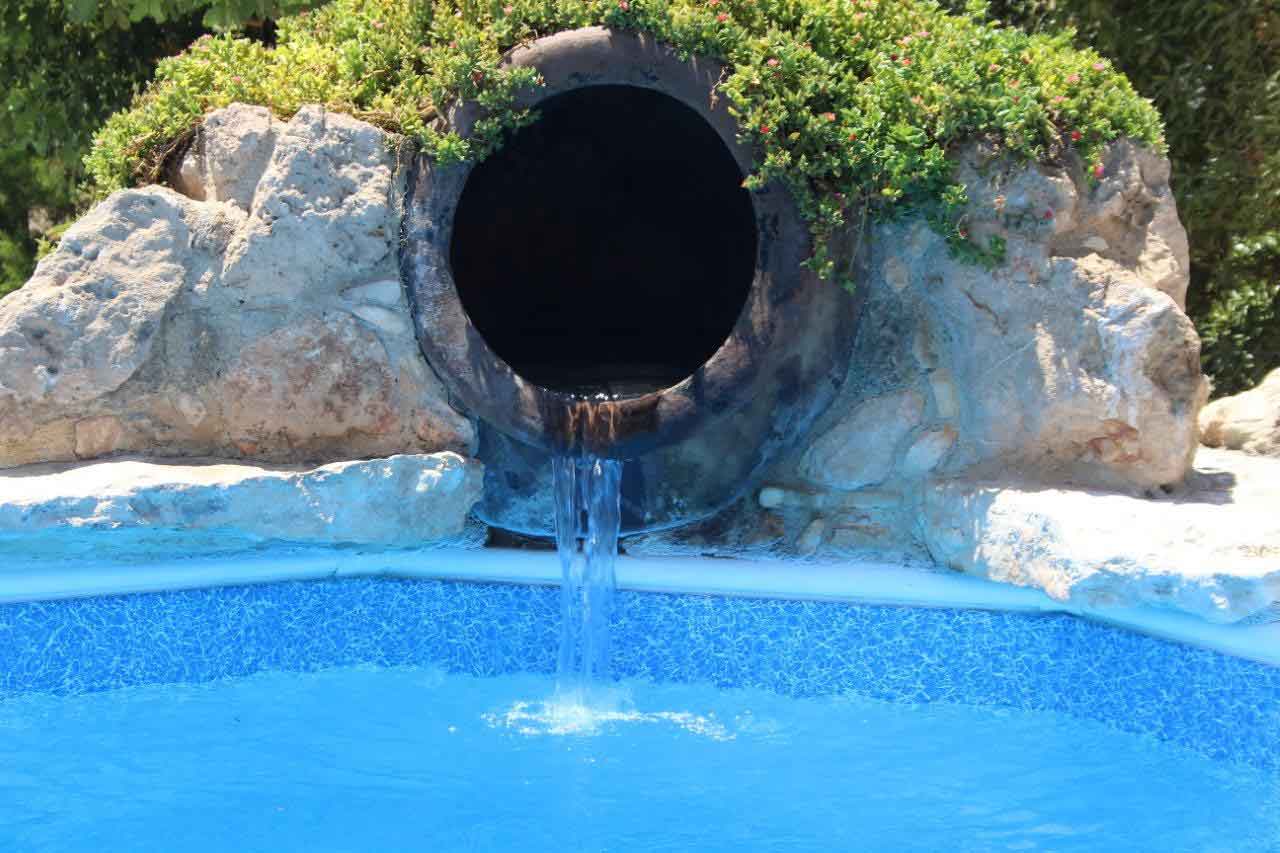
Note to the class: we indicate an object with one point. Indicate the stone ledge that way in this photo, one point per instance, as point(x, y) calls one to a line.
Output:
point(398, 501)
point(1211, 549)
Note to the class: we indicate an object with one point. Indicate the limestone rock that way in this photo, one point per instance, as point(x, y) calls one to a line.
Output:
point(1212, 549)
point(1074, 364)
point(262, 317)
point(230, 152)
point(401, 500)
point(1249, 421)
point(860, 451)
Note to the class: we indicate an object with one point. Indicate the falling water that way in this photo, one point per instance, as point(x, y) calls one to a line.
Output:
point(587, 520)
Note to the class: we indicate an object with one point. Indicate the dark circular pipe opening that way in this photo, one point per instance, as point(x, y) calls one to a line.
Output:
point(608, 247)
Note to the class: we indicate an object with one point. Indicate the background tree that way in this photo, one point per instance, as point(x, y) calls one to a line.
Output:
point(65, 65)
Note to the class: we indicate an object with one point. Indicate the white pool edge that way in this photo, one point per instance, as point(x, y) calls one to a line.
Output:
point(851, 581)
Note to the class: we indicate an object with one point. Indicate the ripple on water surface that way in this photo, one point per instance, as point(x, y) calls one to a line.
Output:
point(364, 758)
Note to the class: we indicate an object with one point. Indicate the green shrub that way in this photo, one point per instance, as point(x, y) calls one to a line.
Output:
point(850, 101)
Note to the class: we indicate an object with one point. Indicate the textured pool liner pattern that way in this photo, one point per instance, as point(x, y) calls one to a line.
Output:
point(1224, 707)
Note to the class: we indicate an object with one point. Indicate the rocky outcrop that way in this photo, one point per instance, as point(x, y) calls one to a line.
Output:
point(258, 316)
point(1211, 549)
point(1249, 421)
point(1070, 363)
point(402, 500)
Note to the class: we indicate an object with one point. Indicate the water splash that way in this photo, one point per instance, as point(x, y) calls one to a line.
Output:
point(587, 521)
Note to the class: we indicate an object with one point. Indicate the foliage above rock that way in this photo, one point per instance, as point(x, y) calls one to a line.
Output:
point(848, 101)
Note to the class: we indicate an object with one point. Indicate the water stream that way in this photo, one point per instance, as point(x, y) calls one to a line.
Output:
point(587, 522)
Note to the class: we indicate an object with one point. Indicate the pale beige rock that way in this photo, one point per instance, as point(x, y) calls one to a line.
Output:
point(861, 450)
point(230, 152)
point(400, 500)
point(266, 321)
point(1212, 549)
point(1070, 362)
point(98, 436)
point(928, 450)
point(1249, 421)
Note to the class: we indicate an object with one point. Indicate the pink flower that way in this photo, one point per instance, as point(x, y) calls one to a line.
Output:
point(765, 129)
point(507, 10)
point(1057, 99)
point(829, 116)
point(624, 5)
point(858, 16)
point(377, 25)
point(1073, 78)
point(772, 63)
point(713, 3)
point(1076, 136)
point(1048, 214)
point(992, 68)
point(722, 17)
point(1099, 171)
point(1099, 66)
point(237, 80)
point(923, 34)
point(906, 60)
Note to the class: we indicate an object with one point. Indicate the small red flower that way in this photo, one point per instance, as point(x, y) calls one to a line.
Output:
point(853, 137)
point(906, 60)
point(1073, 78)
point(624, 5)
point(1099, 170)
point(765, 129)
point(477, 77)
point(713, 3)
point(722, 17)
point(1048, 214)
point(829, 116)
point(1076, 136)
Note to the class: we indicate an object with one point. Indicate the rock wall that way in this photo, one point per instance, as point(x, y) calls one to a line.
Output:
point(1249, 421)
point(258, 315)
point(1071, 363)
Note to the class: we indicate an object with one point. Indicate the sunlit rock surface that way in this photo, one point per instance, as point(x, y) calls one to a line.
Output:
point(1249, 421)
point(261, 317)
point(399, 500)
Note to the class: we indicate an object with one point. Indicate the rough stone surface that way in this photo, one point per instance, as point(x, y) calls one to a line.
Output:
point(261, 317)
point(1071, 361)
point(860, 451)
point(1071, 364)
point(1211, 549)
point(1249, 421)
point(399, 501)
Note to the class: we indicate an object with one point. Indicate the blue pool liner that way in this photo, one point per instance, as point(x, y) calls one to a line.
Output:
point(1224, 707)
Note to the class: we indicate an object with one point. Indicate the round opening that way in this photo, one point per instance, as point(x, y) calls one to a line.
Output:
point(609, 247)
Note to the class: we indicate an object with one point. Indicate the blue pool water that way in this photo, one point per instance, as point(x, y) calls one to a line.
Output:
point(390, 715)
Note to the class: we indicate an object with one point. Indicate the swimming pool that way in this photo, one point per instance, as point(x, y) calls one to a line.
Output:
point(364, 714)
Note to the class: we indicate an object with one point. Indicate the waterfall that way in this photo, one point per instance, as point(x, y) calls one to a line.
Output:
point(587, 520)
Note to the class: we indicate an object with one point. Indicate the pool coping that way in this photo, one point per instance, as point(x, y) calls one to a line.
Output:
point(861, 581)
